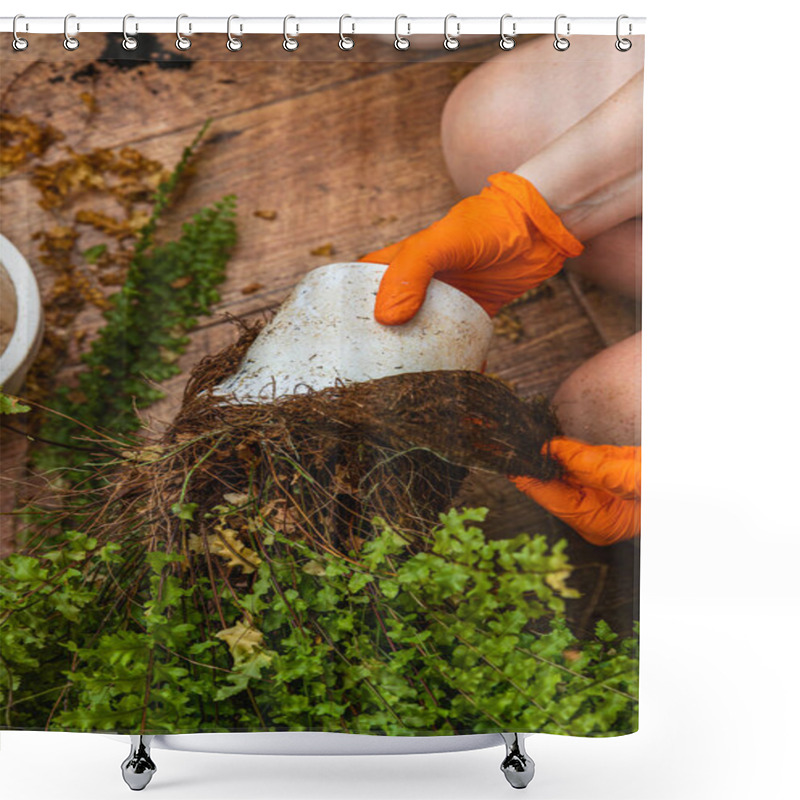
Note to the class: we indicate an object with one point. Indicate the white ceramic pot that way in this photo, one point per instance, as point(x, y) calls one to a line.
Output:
point(28, 327)
point(325, 332)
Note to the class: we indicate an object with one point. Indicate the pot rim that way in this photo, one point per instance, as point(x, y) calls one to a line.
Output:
point(27, 333)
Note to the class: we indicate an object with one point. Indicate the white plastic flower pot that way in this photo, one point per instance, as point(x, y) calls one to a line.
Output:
point(326, 333)
point(22, 313)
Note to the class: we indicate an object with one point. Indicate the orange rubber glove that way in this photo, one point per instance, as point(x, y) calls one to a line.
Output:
point(599, 495)
point(493, 246)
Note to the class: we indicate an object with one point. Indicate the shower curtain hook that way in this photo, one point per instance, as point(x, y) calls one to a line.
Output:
point(450, 41)
point(345, 42)
point(290, 43)
point(507, 42)
point(561, 44)
point(233, 44)
point(182, 43)
point(129, 42)
point(70, 42)
point(18, 44)
point(623, 45)
point(400, 42)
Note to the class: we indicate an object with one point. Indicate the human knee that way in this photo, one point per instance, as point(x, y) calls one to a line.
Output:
point(600, 402)
point(482, 131)
point(517, 103)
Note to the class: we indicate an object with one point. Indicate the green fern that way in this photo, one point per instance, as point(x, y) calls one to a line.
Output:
point(167, 288)
point(470, 637)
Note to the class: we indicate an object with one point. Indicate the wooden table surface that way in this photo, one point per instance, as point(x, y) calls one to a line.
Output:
point(346, 149)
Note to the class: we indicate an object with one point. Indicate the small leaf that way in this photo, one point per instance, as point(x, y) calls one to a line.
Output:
point(358, 581)
point(557, 582)
point(12, 405)
point(184, 510)
point(93, 253)
point(226, 544)
point(242, 640)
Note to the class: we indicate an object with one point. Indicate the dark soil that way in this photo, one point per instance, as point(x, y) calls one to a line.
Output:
point(149, 50)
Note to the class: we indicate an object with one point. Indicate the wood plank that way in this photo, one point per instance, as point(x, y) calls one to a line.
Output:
point(314, 145)
point(138, 99)
point(613, 316)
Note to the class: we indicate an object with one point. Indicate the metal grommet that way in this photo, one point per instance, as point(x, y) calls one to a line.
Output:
point(290, 43)
point(181, 42)
point(70, 42)
point(18, 43)
point(345, 42)
point(128, 42)
point(451, 42)
point(233, 44)
point(400, 42)
point(507, 42)
point(623, 45)
point(561, 44)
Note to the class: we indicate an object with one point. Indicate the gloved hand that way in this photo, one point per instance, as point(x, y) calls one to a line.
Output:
point(493, 246)
point(599, 495)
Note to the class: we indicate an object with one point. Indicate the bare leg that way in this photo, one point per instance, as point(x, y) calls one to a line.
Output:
point(516, 104)
point(591, 174)
point(600, 402)
point(614, 259)
point(597, 192)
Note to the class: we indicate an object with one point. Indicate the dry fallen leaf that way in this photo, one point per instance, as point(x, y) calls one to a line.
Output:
point(90, 101)
point(224, 543)
point(242, 640)
point(235, 498)
point(151, 452)
point(508, 325)
point(326, 249)
point(22, 139)
point(119, 229)
point(557, 582)
point(181, 283)
point(384, 220)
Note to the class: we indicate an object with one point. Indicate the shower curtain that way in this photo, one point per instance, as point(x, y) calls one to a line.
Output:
point(445, 551)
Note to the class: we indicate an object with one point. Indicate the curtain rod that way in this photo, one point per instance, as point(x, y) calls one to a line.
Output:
point(348, 25)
